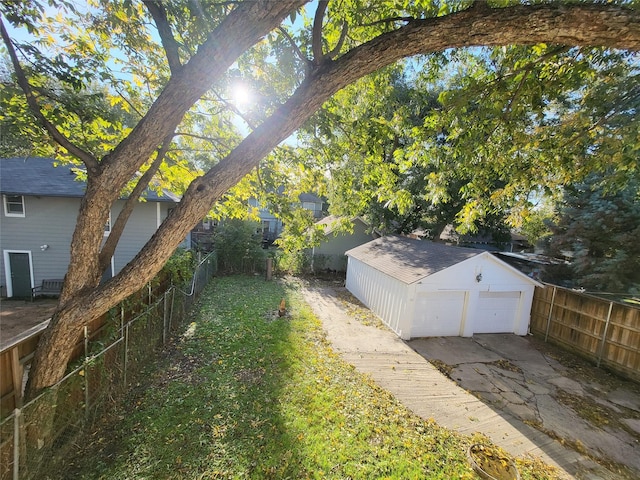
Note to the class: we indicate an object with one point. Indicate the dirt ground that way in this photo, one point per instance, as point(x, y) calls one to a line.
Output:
point(17, 316)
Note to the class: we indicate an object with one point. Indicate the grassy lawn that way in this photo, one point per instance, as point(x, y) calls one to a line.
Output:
point(247, 394)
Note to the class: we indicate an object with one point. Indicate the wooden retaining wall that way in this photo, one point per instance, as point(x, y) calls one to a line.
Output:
point(606, 332)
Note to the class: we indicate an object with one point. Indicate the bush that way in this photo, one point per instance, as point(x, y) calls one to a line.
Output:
point(294, 262)
point(238, 247)
point(179, 268)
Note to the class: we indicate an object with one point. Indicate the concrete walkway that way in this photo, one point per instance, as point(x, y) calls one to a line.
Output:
point(414, 381)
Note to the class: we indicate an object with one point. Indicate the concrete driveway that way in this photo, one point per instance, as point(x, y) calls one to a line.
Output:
point(587, 408)
point(527, 397)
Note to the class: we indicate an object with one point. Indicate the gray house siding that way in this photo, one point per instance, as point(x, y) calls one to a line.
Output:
point(331, 252)
point(47, 221)
point(51, 197)
point(51, 221)
point(141, 226)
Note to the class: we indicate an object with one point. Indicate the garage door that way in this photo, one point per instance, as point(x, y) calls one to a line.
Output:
point(497, 312)
point(438, 314)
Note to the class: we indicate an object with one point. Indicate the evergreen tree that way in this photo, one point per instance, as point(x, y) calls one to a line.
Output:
point(598, 229)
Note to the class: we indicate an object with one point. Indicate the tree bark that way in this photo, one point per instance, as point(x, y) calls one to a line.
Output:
point(241, 29)
point(577, 25)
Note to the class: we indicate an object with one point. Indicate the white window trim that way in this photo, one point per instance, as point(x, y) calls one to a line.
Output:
point(112, 266)
point(6, 209)
point(108, 224)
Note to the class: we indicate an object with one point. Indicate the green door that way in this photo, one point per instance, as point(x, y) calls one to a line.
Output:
point(20, 274)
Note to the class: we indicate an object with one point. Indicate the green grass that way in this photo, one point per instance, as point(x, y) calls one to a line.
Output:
point(246, 394)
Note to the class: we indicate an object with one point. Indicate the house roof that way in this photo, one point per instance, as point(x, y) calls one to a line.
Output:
point(410, 260)
point(37, 176)
point(309, 197)
point(332, 221)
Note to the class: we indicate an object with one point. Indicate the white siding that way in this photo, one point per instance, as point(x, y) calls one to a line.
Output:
point(383, 295)
point(479, 295)
point(500, 290)
point(497, 312)
point(438, 314)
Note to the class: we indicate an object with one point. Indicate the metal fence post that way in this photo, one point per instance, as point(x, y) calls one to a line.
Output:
point(126, 353)
point(553, 297)
point(16, 443)
point(173, 299)
point(164, 319)
point(604, 334)
point(86, 372)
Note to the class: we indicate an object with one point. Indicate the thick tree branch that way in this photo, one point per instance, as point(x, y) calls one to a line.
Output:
point(109, 247)
point(169, 43)
point(316, 38)
point(244, 26)
point(241, 29)
point(89, 160)
point(575, 25)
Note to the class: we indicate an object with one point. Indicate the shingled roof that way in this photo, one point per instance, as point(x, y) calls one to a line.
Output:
point(410, 260)
point(37, 176)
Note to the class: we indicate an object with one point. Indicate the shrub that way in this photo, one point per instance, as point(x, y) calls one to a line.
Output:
point(180, 266)
point(238, 247)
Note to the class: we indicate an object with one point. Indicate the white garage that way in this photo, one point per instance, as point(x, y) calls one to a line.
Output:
point(425, 289)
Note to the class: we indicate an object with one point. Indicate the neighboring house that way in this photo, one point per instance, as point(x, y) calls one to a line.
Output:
point(330, 254)
point(313, 203)
point(424, 289)
point(271, 225)
point(40, 209)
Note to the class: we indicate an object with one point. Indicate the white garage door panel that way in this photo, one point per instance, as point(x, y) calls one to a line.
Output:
point(438, 314)
point(497, 312)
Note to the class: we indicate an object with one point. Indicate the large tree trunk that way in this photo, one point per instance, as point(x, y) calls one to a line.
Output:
point(83, 301)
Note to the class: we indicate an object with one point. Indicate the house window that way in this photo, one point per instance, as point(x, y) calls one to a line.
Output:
point(14, 205)
point(107, 226)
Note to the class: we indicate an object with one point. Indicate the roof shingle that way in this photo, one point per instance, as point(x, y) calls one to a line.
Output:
point(37, 176)
point(410, 260)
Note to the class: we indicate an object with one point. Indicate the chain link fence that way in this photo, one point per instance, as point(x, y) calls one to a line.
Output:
point(36, 439)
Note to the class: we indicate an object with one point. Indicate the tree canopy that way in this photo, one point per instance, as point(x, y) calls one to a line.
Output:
point(168, 65)
point(477, 135)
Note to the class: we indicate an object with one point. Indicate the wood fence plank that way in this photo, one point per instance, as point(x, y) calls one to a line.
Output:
point(578, 322)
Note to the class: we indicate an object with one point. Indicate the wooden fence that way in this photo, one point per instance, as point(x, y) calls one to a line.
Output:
point(606, 332)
